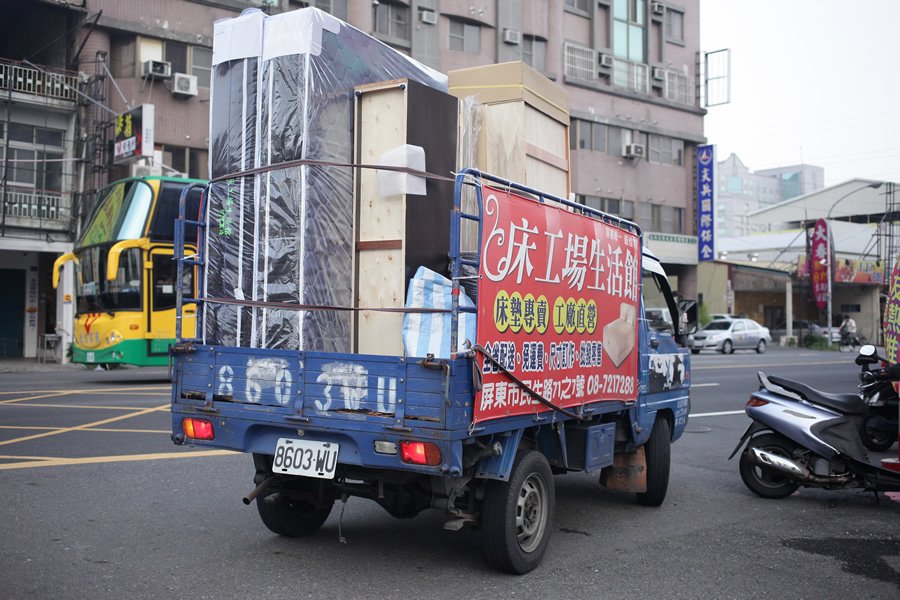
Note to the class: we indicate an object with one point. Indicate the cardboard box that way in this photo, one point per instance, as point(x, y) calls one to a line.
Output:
point(524, 133)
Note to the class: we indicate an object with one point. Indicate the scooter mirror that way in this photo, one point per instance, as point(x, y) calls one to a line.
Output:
point(867, 350)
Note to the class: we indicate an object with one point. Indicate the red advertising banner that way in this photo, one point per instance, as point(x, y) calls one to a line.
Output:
point(820, 262)
point(558, 307)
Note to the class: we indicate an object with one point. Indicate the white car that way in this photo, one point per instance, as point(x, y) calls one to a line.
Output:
point(728, 335)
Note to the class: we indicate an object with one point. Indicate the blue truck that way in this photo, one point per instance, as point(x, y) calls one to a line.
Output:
point(424, 432)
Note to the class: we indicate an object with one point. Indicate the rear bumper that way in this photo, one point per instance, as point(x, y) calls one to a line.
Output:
point(357, 445)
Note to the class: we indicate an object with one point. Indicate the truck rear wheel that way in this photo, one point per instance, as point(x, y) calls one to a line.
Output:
point(658, 452)
point(291, 517)
point(517, 515)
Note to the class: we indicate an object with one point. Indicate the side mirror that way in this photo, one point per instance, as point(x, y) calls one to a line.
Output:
point(867, 356)
point(688, 311)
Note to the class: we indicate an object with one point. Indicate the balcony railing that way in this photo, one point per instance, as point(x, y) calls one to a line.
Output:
point(679, 88)
point(35, 208)
point(631, 76)
point(581, 63)
point(48, 83)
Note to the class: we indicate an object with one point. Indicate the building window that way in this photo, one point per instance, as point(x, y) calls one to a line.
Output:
point(35, 157)
point(665, 150)
point(661, 218)
point(616, 140)
point(176, 54)
point(674, 27)
point(465, 37)
point(585, 135)
point(614, 206)
point(184, 58)
point(392, 21)
point(581, 5)
point(192, 162)
point(534, 52)
point(201, 65)
point(336, 7)
point(628, 29)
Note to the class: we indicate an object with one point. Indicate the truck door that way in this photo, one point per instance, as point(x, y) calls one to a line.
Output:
point(665, 364)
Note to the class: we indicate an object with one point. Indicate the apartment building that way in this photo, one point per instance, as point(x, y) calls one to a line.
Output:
point(68, 67)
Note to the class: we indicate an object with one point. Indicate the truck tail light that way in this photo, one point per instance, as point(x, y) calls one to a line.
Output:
point(198, 429)
point(420, 453)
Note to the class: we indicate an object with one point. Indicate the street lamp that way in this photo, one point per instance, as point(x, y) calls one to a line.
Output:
point(829, 254)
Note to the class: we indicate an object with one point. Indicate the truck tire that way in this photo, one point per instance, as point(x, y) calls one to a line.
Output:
point(657, 450)
point(517, 515)
point(290, 517)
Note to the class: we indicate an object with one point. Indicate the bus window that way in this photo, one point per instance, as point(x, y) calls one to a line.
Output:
point(163, 226)
point(136, 216)
point(164, 275)
point(97, 294)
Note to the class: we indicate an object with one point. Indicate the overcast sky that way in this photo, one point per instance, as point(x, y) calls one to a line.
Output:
point(813, 81)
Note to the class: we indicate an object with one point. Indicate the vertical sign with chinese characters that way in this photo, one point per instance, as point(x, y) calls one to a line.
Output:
point(134, 133)
point(706, 192)
point(892, 316)
point(820, 263)
point(558, 306)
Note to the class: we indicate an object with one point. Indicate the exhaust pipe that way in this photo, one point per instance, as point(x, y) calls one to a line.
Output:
point(779, 463)
point(258, 489)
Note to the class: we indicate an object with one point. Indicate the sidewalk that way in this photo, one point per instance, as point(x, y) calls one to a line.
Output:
point(33, 365)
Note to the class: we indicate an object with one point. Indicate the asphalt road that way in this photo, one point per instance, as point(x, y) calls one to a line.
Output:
point(96, 502)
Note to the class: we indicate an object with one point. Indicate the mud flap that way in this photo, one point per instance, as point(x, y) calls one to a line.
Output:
point(628, 472)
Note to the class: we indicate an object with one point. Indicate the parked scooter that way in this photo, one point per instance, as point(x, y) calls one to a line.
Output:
point(801, 436)
point(880, 427)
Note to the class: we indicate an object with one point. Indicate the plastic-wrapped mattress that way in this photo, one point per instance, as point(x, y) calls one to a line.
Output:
point(283, 91)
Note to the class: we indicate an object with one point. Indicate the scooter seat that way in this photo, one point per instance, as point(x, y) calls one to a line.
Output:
point(849, 404)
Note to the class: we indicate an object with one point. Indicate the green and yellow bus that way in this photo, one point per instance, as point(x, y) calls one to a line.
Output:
point(125, 273)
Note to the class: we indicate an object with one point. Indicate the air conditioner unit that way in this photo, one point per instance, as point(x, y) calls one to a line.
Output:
point(606, 60)
point(184, 85)
point(510, 36)
point(633, 151)
point(428, 16)
point(145, 170)
point(658, 8)
point(659, 74)
point(157, 69)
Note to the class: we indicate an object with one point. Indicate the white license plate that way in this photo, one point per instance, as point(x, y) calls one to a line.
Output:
point(306, 458)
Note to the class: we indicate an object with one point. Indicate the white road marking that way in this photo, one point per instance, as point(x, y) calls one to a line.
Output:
point(717, 414)
point(696, 385)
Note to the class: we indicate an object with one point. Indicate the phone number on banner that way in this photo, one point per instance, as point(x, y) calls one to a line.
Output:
point(503, 394)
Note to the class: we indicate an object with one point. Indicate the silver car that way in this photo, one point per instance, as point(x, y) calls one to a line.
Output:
point(728, 335)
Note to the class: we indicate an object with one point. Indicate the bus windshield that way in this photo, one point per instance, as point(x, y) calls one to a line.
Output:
point(97, 294)
point(120, 214)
